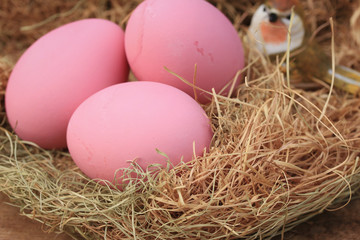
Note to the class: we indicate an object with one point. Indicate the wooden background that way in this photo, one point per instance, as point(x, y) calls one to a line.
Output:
point(339, 225)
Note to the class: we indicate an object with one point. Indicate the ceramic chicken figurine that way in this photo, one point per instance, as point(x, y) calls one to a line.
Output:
point(270, 27)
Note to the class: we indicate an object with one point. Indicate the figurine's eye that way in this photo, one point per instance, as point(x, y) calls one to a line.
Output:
point(288, 17)
point(265, 8)
point(273, 17)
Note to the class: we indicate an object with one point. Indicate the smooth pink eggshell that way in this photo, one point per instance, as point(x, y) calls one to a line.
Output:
point(58, 72)
point(129, 121)
point(178, 34)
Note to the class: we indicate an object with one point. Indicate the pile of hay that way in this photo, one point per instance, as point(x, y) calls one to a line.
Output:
point(279, 156)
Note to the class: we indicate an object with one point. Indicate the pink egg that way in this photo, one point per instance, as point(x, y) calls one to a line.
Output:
point(178, 34)
point(130, 121)
point(58, 72)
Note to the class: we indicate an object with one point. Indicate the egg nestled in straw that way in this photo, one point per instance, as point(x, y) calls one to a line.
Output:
point(132, 122)
point(58, 72)
point(177, 35)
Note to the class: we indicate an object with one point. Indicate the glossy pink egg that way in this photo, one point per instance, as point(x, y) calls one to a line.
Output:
point(58, 72)
point(130, 121)
point(177, 34)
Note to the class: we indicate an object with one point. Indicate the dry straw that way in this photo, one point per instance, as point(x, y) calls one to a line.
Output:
point(279, 155)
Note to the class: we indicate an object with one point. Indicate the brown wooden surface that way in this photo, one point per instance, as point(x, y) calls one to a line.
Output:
point(339, 225)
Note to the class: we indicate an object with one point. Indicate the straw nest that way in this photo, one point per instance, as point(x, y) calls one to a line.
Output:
point(279, 156)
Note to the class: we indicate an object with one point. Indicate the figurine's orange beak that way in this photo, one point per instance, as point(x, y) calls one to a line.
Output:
point(274, 32)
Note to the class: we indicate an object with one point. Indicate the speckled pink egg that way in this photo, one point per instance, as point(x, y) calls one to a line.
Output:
point(177, 34)
point(58, 72)
point(130, 121)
